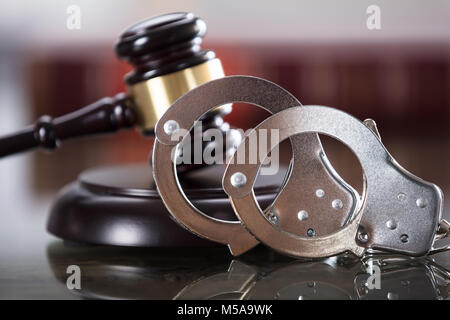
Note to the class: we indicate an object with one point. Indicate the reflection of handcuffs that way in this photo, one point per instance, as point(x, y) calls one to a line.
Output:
point(336, 278)
point(205, 273)
point(317, 213)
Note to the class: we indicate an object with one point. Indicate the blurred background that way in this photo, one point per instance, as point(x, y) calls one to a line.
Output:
point(321, 51)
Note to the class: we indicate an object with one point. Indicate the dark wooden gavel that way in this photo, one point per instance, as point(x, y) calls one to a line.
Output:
point(168, 62)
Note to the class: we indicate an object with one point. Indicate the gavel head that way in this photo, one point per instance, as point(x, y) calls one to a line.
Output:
point(168, 62)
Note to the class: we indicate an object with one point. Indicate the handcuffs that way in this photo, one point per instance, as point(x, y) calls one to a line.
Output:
point(316, 213)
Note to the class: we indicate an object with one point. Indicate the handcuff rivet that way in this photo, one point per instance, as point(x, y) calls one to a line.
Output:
point(320, 193)
point(421, 203)
point(391, 224)
point(363, 237)
point(392, 296)
point(272, 216)
point(404, 283)
point(238, 179)
point(302, 215)
point(337, 204)
point(170, 127)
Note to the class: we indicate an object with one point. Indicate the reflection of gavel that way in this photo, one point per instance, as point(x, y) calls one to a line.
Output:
point(168, 61)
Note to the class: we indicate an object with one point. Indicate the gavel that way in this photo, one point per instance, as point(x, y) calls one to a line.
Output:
point(168, 61)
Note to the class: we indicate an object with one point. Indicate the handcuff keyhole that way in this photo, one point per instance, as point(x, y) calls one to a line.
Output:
point(404, 238)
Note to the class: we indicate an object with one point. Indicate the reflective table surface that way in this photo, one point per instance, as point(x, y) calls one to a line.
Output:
point(211, 273)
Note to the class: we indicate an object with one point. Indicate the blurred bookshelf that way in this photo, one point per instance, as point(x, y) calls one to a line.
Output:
point(405, 88)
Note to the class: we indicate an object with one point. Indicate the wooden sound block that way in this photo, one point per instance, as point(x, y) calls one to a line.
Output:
point(120, 206)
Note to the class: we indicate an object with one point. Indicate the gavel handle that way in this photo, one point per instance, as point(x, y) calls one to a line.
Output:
point(104, 115)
